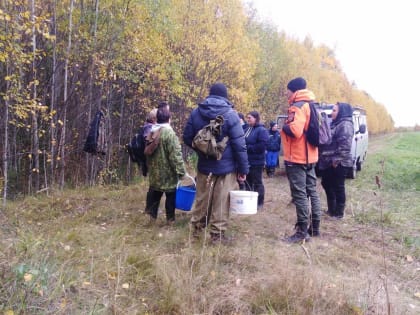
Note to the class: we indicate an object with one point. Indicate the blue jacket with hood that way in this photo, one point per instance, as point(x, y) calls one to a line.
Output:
point(234, 158)
point(256, 139)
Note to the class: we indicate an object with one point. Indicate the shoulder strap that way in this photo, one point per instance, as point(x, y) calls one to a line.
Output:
point(300, 103)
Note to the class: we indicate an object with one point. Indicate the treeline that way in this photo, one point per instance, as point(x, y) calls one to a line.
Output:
point(61, 61)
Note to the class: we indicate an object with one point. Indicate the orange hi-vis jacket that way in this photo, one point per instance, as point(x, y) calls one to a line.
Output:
point(295, 147)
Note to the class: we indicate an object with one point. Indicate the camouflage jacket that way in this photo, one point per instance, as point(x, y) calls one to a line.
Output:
point(166, 165)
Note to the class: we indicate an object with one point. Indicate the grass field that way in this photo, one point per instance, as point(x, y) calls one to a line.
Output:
point(92, 251)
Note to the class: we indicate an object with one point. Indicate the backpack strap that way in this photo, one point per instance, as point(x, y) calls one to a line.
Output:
point(300, 104)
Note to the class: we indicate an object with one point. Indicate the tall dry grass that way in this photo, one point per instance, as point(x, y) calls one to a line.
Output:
point(93, 251)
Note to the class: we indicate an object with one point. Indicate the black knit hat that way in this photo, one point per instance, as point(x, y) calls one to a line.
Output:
point(272, 123)
point(219, 89)
point(296, 84)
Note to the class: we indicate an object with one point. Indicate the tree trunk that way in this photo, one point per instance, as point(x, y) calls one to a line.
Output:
point(91, 161)
point(53, 124)
point(6, 140)
point(66, 70)
point(35, 138)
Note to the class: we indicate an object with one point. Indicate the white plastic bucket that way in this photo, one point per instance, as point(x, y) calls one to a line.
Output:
point(243, 202)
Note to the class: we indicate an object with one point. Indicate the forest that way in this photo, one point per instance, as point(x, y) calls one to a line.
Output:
point(62, 61)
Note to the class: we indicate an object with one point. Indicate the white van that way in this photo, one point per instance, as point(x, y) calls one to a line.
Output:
point(360, 139)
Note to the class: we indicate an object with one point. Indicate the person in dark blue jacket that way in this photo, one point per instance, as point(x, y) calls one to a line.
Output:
point(256, 138)
point(273, 149)
point(216, 178)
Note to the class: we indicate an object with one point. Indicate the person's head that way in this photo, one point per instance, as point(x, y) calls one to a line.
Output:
point(341, 110)
point(151, 116)
point(163, 115)
point(163, 104)
point(218, 89)
point(241, 118)
point(253, 118)
point(273, 126)
point(294, 85)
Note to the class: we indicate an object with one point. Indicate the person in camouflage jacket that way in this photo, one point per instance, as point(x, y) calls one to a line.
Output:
point(165, 166)
point(335, 159)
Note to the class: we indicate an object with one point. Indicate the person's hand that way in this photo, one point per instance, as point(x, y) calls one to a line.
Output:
point(241, 178)
point(335, 164)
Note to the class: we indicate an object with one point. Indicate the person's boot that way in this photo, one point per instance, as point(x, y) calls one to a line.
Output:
point(314, 228)
point(300, 235)
point(331, 203)
point(217, 238)
point(339, 211)
point(197, 231)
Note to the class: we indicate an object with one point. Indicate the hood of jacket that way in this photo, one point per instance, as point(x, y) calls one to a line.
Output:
point(344, 110)
point(158, 126)
point(301, 95)
point(214, 105)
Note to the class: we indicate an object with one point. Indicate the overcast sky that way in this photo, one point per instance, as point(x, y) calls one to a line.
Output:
point(376, 42)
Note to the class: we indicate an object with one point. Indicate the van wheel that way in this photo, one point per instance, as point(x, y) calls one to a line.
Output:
point(352, 173)
point(359, 166)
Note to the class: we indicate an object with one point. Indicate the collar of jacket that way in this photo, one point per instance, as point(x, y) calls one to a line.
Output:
point(301, 95)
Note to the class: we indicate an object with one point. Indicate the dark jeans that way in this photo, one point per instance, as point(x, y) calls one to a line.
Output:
point(333, 182)
point(153, 201)
point(254, 182)
point(302, 180)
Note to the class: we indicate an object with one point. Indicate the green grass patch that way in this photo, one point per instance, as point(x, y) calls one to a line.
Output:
point(398, 165)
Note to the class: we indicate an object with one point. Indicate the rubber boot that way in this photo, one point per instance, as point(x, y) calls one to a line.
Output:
point(339, 210)
point(300, 235)
point(314, 228)
point(220, 238)
point(331, 207)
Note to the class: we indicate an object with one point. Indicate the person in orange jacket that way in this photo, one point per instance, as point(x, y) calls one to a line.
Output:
point(300, 158)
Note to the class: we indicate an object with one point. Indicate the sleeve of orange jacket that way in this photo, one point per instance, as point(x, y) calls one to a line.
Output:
point(296, 120)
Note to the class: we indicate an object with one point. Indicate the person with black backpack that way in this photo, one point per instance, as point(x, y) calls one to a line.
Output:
point(300, 158)
point(166, 167)
point(138, 143)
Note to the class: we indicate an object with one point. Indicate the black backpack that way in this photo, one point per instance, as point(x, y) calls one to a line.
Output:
point(136, 148)
point(319, 131)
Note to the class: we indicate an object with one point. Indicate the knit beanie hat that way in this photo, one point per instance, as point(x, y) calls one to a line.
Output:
point(219, 89)
point(296, 84)
point(272, 123)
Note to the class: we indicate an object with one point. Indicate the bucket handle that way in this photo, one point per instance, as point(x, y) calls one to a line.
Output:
point(190, 177)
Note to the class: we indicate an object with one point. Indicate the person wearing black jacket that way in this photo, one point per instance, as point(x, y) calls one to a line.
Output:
point(256, 138)
point(336, 160)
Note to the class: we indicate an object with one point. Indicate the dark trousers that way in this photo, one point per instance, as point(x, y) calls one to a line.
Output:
point(333, 182)
point(254, 182)
point(153, 201)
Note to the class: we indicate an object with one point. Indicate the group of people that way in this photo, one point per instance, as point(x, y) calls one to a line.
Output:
point(250, 148)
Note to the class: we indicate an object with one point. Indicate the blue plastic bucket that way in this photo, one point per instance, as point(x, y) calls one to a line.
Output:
point(185, 196)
